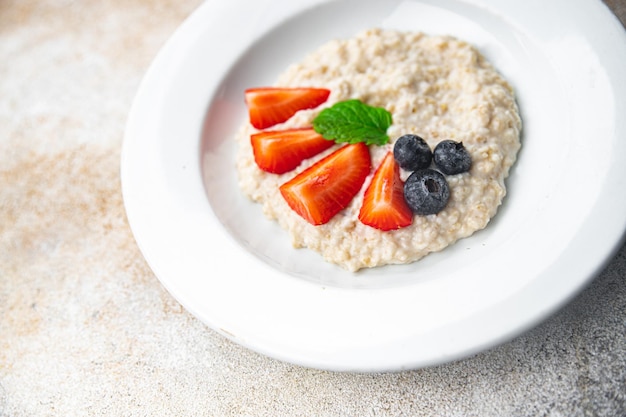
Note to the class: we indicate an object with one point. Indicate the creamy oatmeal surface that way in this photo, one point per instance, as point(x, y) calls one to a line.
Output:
point(435, 87)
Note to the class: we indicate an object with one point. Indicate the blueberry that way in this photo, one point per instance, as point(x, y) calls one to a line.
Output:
point(412, 153)
point(451, 157)
point(426, 191)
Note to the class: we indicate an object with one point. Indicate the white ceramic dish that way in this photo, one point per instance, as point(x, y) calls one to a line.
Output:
point(236, 271)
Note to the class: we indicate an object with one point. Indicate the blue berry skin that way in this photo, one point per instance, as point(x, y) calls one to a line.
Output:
point(412, 152)
point(426, 191)
point(451, 157)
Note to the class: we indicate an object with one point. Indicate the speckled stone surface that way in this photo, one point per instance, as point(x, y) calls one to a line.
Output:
point(87, 330)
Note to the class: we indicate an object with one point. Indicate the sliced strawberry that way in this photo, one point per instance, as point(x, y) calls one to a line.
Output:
point(328, 186)
point(268, 106)
point(384, 206)
point(280, 151)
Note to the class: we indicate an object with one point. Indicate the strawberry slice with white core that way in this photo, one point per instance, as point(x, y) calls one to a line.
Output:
point(268, 106)
point(384, 206)
point(280, 151)
point(321, 191)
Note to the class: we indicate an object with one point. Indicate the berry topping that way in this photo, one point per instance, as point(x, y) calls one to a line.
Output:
point(412, 152)
point(281, 151)
point(268, 106)
point(426, 191)
point(328, 186)
point(451, 157)
point(383, 206)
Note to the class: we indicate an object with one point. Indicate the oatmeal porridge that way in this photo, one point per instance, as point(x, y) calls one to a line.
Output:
point(439, 88)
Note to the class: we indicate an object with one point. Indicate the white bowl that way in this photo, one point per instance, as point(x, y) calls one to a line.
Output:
point(563, 218)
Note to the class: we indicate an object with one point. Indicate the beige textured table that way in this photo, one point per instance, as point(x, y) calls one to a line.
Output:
point(87, 330)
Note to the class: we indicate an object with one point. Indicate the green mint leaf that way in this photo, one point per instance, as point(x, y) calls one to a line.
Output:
point(353, 121)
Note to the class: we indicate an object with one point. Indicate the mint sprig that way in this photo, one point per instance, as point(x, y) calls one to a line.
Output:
point(353, 121)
